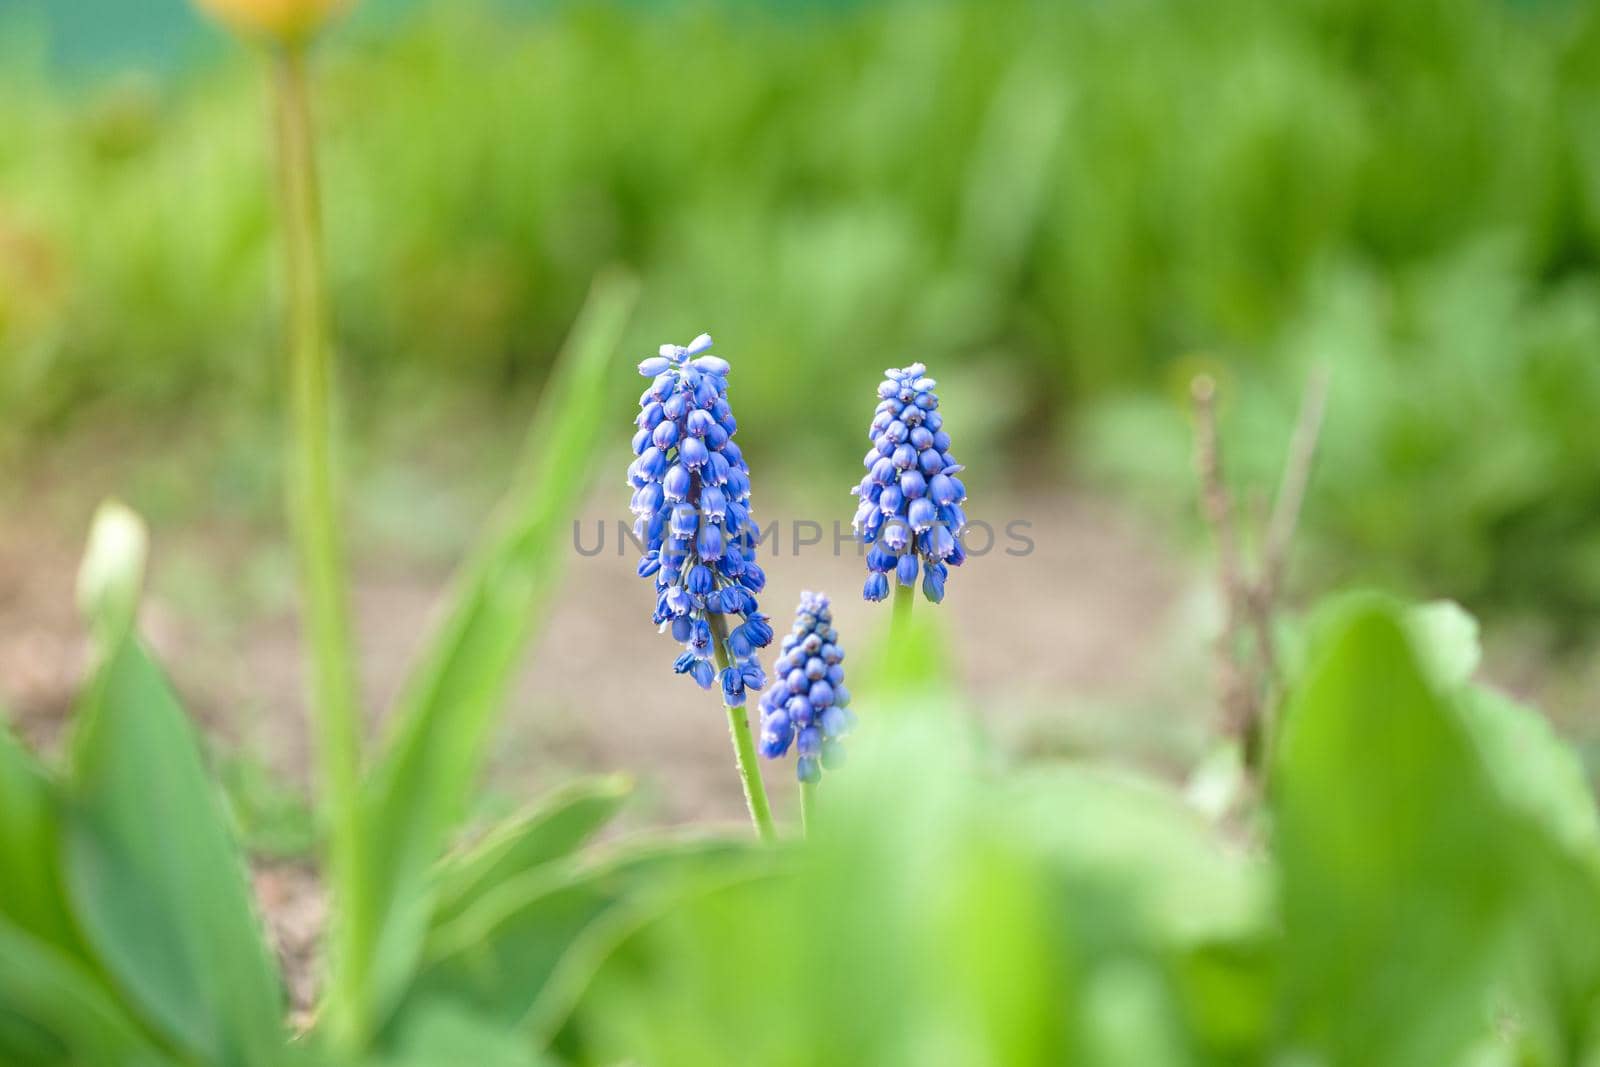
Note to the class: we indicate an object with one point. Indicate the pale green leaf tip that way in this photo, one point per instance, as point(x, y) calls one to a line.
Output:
point(617, 785)
point(112, 573)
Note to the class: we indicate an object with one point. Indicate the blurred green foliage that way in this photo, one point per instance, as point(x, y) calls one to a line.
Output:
point(1063, 208)
point(1416, 888)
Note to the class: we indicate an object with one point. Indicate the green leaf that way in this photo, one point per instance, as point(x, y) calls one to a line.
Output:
point(419, 789)
point(548, 831)
point(71, 1017)
point(31, 893)
point(156, 880)
point(1554, 975)
point(1534, 770)
point(1397, 857)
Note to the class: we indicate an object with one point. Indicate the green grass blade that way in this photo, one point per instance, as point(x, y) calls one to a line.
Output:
point(65, 1007)
point(421, 786)
point(500, 954)
point(31, 893)
point(551, 829)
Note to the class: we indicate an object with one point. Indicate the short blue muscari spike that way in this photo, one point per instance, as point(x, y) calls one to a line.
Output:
point(807, 706)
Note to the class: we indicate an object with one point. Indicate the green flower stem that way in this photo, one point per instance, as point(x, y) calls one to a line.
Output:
point(808, 806)
point(900, 620)
point(744, 747)
point(312, 495)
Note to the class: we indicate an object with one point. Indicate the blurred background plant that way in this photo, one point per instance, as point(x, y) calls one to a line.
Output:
point(1065, 208)
point(1069, 211)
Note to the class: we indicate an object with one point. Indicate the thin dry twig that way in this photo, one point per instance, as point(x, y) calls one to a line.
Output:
point(1296, 475)
point(1217, 506)
point(1248, 686)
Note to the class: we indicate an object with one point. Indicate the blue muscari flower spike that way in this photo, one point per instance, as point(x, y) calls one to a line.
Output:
point(691, 503)
point(807, 705)
point(910, 511)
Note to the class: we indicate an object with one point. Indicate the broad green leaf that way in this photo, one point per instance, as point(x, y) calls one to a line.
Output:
point(1397, 856)
point(1555, 972)
point(1534, 770)
point(420, 787)
point(156, 880)
point(548, 831)
point(1159, 856)
point(69, 1015)
point(31, 893)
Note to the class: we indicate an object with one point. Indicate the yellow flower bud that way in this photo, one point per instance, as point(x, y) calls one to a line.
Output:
point(279, 20)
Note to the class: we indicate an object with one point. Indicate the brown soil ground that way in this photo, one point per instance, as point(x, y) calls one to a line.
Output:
point(1073, 647)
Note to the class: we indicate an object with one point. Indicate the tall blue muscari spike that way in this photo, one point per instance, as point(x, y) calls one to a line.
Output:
point(692, 505)
point(910, 507)
point(807, 704)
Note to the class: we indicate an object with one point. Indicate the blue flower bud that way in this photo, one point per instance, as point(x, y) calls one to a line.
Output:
point(700, 581)
point(906, 569)
point(808, 769)
point(735, 600)
point(732, 687)
point(877, 587)
point(694, 452)
point(896, 536)
point(709, 543)
point(776, 733)
point(880, 559)
point(677, 482)
point(654, 366)
point(699, 422)
point(714, 503)
point(834, 723)
point(704, 673)
point(652, 463)
point(685, 520)
point(809, 743)
point(942, 489)
point(753, 578)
